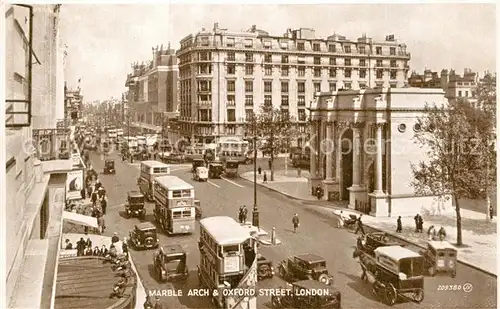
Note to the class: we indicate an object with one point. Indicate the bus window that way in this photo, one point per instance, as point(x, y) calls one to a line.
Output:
point(176, 214)
point(186, 213)
point(176, 193)
point(231, 249)
point(158, 170)
point(186, 193)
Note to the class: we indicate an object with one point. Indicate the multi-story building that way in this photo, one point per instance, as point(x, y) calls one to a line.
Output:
point(153, 91)
point(34, 191)
point(454, 85)
point(225, 76)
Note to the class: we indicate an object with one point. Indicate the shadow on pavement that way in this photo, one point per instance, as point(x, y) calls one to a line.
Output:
point(191, 284)
point(361, 287)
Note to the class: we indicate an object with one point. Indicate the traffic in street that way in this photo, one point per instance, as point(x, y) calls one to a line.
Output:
point(315, 235)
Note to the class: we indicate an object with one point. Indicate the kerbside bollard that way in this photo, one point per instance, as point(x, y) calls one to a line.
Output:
point(273, 236)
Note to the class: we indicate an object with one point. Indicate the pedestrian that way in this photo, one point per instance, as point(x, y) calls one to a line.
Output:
point(88, 244)
point(148, 304)
point(431, 233)
point(416, 219)
point(101, 224)
point(399, 228)
point(115, 238)
point(420, 224)
point(240, 214)
point(299, 172)
point(104, 204)
point(158, 304)
point(244, 214)
point(259, 170)
point(264, 179)
point(491, 212)
point(441, 234)
point(125, 246)
point(270, 163)
point(295, 222)
point(80, 247)
point(359, 226)
point(96, 251)
point(104, 250)
point(69, 245)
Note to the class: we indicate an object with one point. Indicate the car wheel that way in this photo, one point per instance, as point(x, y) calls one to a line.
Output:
point(275, 301)
point(263, 270)
point(391, 295)
point(454, 274)
point(281, 271)
point(323, 279)
point(418, 296)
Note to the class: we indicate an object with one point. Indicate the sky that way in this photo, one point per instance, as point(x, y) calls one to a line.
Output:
point(103, 40)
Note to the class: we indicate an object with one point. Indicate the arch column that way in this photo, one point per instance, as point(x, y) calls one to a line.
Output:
point(329, 151)
point(313, 147)
point(356, 191)
point(378, 199)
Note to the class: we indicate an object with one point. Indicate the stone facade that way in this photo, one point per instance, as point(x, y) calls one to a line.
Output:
point(362, 148)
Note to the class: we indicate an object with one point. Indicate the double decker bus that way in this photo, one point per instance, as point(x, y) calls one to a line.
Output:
point(234, 150)
point(228, 261)
point(148, 172)
point(175, 209)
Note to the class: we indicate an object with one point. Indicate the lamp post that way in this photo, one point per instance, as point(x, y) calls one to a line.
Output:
point(255, 211)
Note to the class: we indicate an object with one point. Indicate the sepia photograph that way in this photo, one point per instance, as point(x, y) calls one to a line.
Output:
point(241, 155)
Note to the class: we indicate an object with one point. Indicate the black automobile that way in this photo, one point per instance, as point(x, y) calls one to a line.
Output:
point(135, 205)
point(265, 268)
point(197, 163)
point(308, 294)
point(143, 236)
point(305, 267)
point(109, 167)
point(215, 170)
point(170, 263)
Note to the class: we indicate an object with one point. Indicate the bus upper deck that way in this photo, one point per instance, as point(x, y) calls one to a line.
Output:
point(149, 171)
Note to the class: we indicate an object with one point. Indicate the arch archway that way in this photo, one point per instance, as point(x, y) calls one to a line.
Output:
point(346, 152)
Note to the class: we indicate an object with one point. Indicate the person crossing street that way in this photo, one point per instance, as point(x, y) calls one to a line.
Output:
point(295, 222)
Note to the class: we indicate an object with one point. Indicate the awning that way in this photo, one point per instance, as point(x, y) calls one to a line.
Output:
point(80, 219)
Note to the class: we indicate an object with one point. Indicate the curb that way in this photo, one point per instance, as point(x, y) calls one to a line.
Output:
point(373, 228)
point(140, 286)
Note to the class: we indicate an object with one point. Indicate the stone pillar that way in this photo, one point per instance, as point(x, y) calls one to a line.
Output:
point(321, 152)
point(356, 144)
point(329, 149)
point(378, 161)
point(313, 148)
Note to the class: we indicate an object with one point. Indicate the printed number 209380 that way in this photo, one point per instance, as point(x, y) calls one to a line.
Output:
point(449, 287)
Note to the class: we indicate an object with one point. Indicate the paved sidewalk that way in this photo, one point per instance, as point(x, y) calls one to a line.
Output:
point(478, 235)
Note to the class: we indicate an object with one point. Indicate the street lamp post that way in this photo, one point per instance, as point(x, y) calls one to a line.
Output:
point(255, 211)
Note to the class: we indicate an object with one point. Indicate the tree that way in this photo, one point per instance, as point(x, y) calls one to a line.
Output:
point(275, 126)
point(455, 136)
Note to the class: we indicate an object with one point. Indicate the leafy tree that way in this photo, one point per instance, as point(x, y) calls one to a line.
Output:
point(457, 137)
point(275, 126)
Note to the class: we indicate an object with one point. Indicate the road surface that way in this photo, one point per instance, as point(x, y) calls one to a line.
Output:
point(316, 235)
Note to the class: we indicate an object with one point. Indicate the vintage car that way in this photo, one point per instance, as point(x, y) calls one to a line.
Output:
point(201, 174)
point(135, 205)
point(197, 207)
point(143, 236)
point(197, 163)
point(440, 256)
point(215, 170)
point(376, 240)
point(308, 294)
point(170, 263)
point(395, 272)
point(305, 267)
point(109, 167)
point(265, 268)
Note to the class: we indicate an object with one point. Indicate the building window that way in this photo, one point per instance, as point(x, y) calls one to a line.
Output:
point(459, 93)
point(231, 100)
point(230, 42)
point(301, 100)
point(248, 86)
point(316, 47)
point(248, 43)
point(248, 57)
point(317, 72)
point(347, 86)
point(284, 59)
point(300, 46)
point(268, 70)
point(231, 115)
point(301, 71)
point(204, 56)
point(317, 60)
point(268, 86)
point(284, 100)
point(347, 73)
point(333, 87)
point(248, 115)
point(301, 60)
point(392, 51)
point(317, 87)
point(268, 58)
point(301, 87)
point(380, 73)
point(231, 56)
point(204, 85)
point(394, 64)
point(231, 69)
point(268, 99)
point(284, 45)
point(284, 71)
point(231, 85)
point(333, 61)
point(248, 69)
point(331, 48)
point(333, 72)
point(248, 100)
point(301, 115)
point(379, 63)
point(378, 50)
point(347, 62)
point(362, 50)
point(362, 73)
point(362, 86)
point(393, 74)
point(362, 62)
point(466, 93)
point(347, 49)
point(284, 87)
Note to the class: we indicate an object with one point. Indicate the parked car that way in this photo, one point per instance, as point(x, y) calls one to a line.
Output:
point(305, 267)
point(302, 295)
